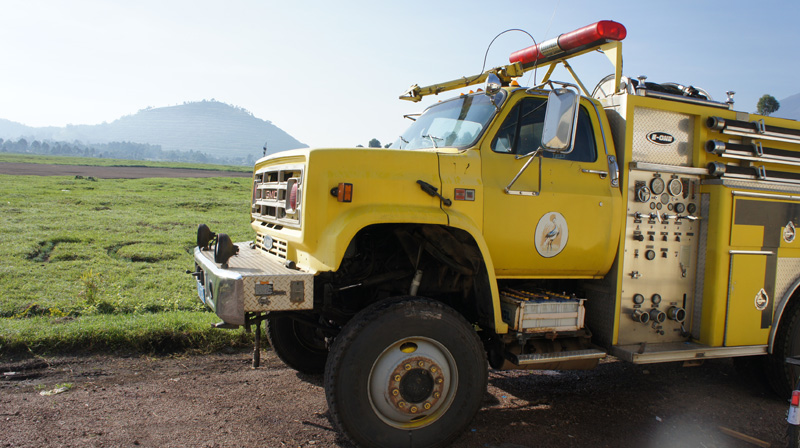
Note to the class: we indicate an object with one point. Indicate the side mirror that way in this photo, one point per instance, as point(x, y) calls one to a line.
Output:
point(560, 120)
point(493, 85)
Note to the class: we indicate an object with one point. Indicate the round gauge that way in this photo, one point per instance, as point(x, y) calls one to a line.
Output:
point(691, 208)
point(642, 194)
point(680, 208)
point(669, 207)
point(652, 206)
point(664, 198)
point(675, 187)
point(656, 299)
point(657, 185)
point(638, 299)
point(658, 206)
point(650, 254)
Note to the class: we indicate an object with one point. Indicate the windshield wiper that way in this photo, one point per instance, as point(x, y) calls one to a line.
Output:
point(433, 139)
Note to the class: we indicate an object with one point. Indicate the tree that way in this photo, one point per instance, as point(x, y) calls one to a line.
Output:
point(767, 104)
point(374, 143)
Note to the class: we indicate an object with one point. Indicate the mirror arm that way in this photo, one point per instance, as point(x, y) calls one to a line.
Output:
point(508, 189)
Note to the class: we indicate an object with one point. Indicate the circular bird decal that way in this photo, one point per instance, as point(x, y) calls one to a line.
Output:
point(551, 234)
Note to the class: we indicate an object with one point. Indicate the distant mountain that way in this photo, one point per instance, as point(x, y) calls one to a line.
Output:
point(790, 107)
point(212, 127)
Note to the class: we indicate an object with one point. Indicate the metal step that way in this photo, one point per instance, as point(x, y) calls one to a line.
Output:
point(542, 358)
point(680, 351)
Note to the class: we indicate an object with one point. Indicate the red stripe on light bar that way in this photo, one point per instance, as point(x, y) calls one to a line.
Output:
point(604, 29)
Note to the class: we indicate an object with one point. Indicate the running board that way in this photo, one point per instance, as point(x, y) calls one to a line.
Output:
point(545, 358)
point(681, 351)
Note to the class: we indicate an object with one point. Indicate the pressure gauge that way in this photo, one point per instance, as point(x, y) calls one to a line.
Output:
point(642, 193)
point(680, 208)
point(657, 185)
point(675, 187)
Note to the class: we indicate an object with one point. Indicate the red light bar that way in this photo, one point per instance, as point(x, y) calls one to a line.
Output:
point(602, 30)
point(796, 398)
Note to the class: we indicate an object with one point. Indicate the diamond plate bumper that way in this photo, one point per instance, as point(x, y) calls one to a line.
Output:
point(253, 282)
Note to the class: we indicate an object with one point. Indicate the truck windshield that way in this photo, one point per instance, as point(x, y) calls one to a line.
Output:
point(457, 122)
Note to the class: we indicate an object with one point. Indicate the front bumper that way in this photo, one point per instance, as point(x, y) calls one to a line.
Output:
point(253, 282)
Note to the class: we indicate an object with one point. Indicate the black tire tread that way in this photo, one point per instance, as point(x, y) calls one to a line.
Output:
point(290, 351)
point(779, 373)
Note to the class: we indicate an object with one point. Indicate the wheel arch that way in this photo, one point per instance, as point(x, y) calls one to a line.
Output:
point(789, 299)
point(473, 238)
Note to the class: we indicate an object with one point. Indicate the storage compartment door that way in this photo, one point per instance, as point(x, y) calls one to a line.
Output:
point(749, 294)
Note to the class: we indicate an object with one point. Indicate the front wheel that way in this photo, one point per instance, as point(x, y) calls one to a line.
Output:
point(405, 372)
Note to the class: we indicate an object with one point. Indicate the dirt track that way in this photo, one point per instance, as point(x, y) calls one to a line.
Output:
point(220, 401)
point(109, 172)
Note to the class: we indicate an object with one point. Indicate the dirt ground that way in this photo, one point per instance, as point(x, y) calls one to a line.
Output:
point(109, 172)
point(220, 401)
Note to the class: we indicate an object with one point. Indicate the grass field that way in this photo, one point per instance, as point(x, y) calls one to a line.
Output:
point(100, 264)
point(93, 161)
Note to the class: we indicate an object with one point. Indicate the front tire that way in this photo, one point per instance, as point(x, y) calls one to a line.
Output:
point(405, 372)
point(297, 344)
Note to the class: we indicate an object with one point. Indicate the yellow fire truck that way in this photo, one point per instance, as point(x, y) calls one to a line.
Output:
point(533, 228)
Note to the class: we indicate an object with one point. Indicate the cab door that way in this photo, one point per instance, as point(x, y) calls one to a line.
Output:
point(561, 221)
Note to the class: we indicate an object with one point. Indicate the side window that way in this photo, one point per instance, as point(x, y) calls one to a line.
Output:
point(521, 133)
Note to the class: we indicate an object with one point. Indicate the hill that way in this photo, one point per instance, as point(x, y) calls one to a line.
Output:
point(790, 107)
point(211, 127)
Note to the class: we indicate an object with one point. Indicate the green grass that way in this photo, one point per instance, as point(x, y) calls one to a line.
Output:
point(93, 161)
point(101, 264)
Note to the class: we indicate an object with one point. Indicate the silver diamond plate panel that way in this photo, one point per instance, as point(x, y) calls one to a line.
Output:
point(647, 121)
point(267, 284)
point(697, 312)
point(755, 185)
point(788, 273)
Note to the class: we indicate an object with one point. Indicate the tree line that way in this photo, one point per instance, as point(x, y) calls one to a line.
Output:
point(117, 150)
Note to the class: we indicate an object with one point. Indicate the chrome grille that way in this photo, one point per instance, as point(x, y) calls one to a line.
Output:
point(272, 195)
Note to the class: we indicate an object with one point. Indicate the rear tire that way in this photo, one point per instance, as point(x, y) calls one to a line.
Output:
point(297, 344)
point(405, 372)
point(782, 376)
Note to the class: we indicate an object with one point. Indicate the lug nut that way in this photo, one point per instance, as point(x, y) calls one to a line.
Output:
point(434, 369)
point(421, 364)
point(401, 404)
point(397, 378)
point(395, 392)
point(427, 406)
point(414, 409)
point(436, 395)
point(440, 380)
point(407, 366)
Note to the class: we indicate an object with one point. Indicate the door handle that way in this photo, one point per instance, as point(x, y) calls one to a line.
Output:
point(602, 174)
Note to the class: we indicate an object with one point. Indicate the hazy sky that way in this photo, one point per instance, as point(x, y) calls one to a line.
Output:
point(329, 73)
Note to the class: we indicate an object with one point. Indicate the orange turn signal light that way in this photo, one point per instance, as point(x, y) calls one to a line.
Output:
point(343, 192)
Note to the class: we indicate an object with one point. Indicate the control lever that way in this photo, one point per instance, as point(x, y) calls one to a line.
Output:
point(656, 216)
point(667, 217)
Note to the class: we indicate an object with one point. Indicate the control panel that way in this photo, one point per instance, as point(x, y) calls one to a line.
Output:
point(660, 257)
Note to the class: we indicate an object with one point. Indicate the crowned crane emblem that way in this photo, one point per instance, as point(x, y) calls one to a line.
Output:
point(551, 234)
